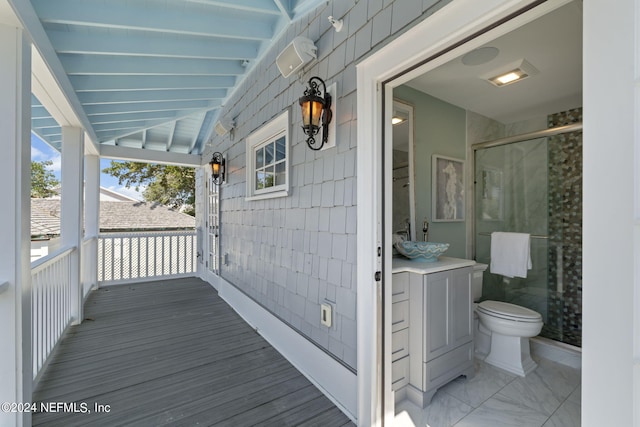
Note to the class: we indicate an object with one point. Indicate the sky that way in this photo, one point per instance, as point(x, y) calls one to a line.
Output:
point(40, 151)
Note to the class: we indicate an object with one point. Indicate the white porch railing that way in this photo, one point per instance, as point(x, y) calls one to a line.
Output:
point(89, 266)
point(127, 257)
point(51, 303)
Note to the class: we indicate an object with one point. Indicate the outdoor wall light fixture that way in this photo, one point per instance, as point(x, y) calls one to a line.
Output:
point(316, 112)
point(217, 164)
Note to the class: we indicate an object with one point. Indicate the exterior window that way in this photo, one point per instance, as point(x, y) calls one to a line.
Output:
point(268, 160)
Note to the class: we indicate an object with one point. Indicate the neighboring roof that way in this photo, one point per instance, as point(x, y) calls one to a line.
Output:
point(107, 195)
point(114, 216)
point(142, 216)
point(45, 217)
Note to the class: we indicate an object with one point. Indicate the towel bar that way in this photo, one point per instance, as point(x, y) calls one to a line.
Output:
point(533, 236)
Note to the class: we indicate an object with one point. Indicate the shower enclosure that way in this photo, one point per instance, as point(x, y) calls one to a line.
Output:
point(533, 184)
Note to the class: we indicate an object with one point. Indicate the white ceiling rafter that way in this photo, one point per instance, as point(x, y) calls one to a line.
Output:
point(149, 75)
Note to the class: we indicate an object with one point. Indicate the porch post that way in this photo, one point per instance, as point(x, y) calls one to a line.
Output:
point(91, 220)
point(16, 369)
point(71, 209)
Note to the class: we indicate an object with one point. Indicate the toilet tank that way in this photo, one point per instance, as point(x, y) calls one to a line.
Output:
point(476, 284)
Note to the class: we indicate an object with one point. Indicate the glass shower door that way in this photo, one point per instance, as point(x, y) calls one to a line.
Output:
point(511, 195)
point(535, 186)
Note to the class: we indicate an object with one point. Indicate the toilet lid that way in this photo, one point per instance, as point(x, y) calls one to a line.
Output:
point(504, 309)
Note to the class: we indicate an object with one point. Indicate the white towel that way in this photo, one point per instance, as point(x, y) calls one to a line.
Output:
point(510, 254)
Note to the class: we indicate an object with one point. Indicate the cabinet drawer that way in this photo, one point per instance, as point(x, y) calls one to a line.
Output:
point(400, 373)
point(445, 368)
point(399, 344)
point(399, 316)
point(400, 287)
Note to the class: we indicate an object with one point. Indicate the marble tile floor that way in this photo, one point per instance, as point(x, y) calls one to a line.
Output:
point(549, 397)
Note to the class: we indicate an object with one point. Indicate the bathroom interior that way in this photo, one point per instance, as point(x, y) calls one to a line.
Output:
point(518, 176)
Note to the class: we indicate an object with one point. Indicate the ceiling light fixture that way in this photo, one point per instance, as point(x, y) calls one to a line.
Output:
point(514, 73)
point(396, 120)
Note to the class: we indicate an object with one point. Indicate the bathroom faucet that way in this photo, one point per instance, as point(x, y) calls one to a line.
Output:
point(425, 230)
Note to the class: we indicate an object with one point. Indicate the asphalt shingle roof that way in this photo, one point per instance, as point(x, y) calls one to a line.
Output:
point(114, 216)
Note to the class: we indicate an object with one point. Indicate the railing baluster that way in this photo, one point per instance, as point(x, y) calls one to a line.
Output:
point(146, 255)
point(50, 305)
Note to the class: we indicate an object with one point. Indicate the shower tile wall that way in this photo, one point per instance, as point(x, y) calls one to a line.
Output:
point(564, 321)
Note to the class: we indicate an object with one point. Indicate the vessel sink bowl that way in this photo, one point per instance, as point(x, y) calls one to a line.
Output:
point(421, 251)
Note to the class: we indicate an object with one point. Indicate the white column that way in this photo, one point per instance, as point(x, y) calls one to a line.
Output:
point(610, 125)
point(91, 220)
point(16, 370)
point(71, 209)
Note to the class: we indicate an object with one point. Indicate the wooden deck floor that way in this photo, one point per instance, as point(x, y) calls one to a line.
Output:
point(174, 353)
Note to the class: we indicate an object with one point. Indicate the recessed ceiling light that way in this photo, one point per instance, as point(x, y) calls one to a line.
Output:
point(512, 73)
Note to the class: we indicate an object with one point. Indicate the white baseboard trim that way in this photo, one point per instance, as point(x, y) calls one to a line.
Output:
point(556, 351)
point(333, 379)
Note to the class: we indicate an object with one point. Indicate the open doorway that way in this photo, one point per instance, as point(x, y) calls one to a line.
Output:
point(440, 50)
point(518, 187)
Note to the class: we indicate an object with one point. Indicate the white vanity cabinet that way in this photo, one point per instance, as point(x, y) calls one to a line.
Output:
point(400, 333)
point(440, 326)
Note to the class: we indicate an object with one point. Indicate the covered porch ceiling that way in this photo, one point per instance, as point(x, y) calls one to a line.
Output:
point(148, 75)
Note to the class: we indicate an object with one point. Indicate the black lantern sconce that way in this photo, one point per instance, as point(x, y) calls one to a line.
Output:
point(316, 112)
point(217, 164)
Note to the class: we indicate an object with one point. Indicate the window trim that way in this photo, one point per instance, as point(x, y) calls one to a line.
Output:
point(277, 127)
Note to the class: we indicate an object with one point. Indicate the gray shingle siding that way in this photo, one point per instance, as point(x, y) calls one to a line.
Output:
point(292, 253)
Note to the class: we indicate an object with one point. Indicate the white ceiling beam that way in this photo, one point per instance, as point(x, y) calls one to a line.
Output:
point(143, 107)
point(173, 17)
point(172, 131)
point(132, 117)
point(123, 83)
point(88, 98)
point(152, 45)
point(150, 156)
point(257, 6)
point(285, 8)
point(194, 138)
point(144, 138)
point(150, 66)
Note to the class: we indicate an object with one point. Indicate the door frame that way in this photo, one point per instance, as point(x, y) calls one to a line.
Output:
point(457, 28)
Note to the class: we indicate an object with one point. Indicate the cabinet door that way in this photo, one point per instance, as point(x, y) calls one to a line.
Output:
point(436, 315)
point(461, 306)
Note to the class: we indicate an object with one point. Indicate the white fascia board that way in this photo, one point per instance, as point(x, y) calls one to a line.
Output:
point(149, 156)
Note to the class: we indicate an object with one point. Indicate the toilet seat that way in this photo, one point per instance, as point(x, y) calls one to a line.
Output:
point(512, 312)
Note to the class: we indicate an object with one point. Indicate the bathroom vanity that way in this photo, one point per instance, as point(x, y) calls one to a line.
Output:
point(432, 325)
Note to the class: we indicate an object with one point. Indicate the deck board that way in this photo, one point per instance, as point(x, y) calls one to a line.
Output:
point(174, 353)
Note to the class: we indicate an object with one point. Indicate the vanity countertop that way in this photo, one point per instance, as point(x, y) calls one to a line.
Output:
point(401, 264)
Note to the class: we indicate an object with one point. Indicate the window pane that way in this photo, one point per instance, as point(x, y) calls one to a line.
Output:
point(260, 180)
point(269, 177)
point(259, 157)
point(281, 149)
point(281, 176)
point(268, 154)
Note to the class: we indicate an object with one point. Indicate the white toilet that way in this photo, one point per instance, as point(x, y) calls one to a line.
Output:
point(504, 330)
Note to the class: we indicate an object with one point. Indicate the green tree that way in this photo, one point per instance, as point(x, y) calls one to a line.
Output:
point(43, 181)
point(173, 186)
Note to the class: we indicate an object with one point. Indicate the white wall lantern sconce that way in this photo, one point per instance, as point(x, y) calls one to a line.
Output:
point(218, 166)
point(316, 112)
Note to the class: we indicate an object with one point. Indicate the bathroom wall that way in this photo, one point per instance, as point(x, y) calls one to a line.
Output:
point(440, 128)
point(565, 231)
